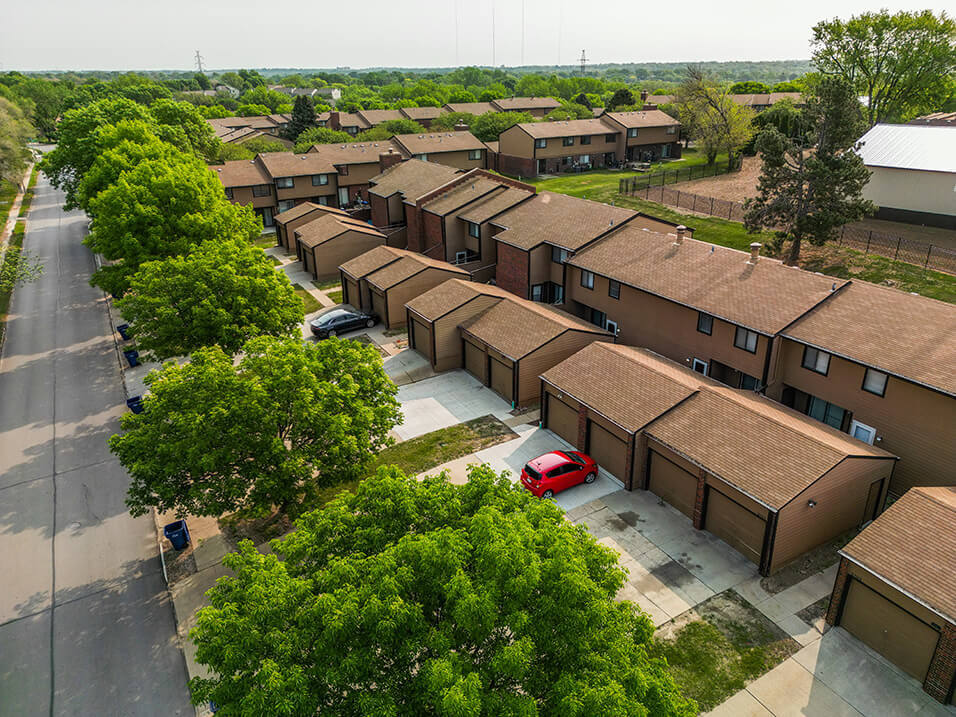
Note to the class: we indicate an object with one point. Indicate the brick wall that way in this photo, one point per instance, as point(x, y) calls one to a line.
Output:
point(357, 191)
point(699, 502)
point(582, 427)
point(379, 207)
point(942, 670)
point(511, 274)
point(432, 243)
point(413, 233)
point(520, 166)
point(836, 597)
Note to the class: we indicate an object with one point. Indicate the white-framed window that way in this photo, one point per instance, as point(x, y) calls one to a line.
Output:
point(746, 339)
point(699, 366)
point(587, 279)
point(320, 180)
point(474, 154)
point(474, 230)
point(285, 182)
point(862, 432)
point(540, 143)
point(816, 360)
point(875, 382)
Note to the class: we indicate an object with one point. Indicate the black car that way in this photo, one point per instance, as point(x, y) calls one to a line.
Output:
point(341, 320)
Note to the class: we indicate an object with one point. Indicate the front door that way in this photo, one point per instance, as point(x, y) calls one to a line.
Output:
point(869, 513)
point(343, 196)
point(542, 166)
point(862, 432)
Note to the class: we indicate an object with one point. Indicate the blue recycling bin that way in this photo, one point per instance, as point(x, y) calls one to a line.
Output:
point(178, 534)
point(123, 330)
point(135, 404)
point(132, 356)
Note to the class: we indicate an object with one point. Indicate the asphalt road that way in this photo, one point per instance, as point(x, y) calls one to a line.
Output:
point(86, 625)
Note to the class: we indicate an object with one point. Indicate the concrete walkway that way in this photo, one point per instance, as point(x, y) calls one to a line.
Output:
point(11, 218)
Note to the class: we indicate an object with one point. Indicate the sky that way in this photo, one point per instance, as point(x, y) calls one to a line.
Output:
point(138, 35)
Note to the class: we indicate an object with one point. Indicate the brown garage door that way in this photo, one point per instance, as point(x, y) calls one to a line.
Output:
point(501, 379)
point(421, 338)
point(476, 361)
point(608, 450)
point(378, 305)
point(673, 484)
point(735, 525)
point(562, 419)
point(352, 294)
point(901, 638)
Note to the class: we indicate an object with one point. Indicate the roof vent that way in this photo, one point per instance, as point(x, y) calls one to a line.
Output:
point(681, 233)
point(754, 252)
point(833, 286)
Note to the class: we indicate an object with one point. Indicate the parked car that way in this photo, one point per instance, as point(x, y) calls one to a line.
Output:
point(556, 471)
point(341, 320)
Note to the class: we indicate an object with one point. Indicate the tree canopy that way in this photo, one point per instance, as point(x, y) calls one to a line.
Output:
point(390, 128)
point(749, 88)
point(291, 417)
point(488, 126)
point(223, 293)
point(902, 63)
point(712, 117)
point(303, 117)
point(321, 135)
point(15, 130)
point(811, 181)
point(427, 598)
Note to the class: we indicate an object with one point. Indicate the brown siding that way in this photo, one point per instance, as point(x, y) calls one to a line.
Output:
point(335, 252)
point(515, 142)
point(541, 265)
point(303, 188)
point(561, 415)
point(668, 328)
point(351, 294)
point(447, 335)
point(414, 286)
point(359, 174)
point(915, 423)
point(511, 273)
point(378, 303)
point(551, 354)
point(421, 338)
point(673, 479)
point(476, 360)
point(458, 160)
point(840, 498)
point(608, 449)
point(736, 525)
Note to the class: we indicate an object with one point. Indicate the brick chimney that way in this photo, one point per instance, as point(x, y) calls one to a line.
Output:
point(334, 121)
point(681, 233)
point(388, 159)
point(754, 252)
point(643, 95)
point(461, 127)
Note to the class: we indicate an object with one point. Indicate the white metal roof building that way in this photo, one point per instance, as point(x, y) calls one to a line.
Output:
point(913, 173)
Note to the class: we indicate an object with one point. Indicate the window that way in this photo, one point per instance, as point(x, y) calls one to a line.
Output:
point(672, 130)
point(285, 182)
point(827, 412)
point(816, 360)
point(548, 293)
point(587, 279)
point(228, 191)
point(614, 289)
point(567, 141)
point(632, 132)
point(261, 190)
point(352, 130)
point(320, 180)
point(286, 204)
point(423, 156)
point(266, 213)
point(540, 143)
point(584, 159)
point(324, 200)
point(598, 318)
point(874, 382)
point(586, 139)
point(559, 255)
point(746, 339)
point(608, 138)
point(748, 382)
point(474, 154)
point(474, 230)
point(343, 169)
point(705, 323)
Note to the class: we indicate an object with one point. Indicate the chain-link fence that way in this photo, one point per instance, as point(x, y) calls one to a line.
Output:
point(632, 185)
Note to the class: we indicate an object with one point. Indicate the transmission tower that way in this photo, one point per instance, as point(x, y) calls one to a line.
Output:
point(584, 63)
point(198, 58)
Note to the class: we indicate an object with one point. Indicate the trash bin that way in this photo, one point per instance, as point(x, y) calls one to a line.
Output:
point(123, 331)
point(178, 534)
point(132, 356)
point(135, 404)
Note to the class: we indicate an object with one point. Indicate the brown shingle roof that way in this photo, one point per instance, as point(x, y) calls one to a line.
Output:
point(467, 191)
point(567, 128)
point(329, 226)
point(520, 104)
point(913, 546)
point(241, 173)
point(499, 201)
point(898, 333)
point(412, 178)
point(374, 117)
point(370, 261)
point(287, 164)
point(646, 118)
point(297, 211)
point(348, 119)
point(516, 327)
point(765, 296)
point(421, 113)
point(474, 108)
point(409, 264)
point(450, 295)
point(435, 142)
point(354, 152)
point(558, 219)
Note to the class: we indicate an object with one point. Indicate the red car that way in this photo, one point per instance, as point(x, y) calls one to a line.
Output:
point(556, 471)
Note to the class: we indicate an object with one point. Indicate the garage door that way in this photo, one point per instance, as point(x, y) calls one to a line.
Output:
point(735, 525)
point(421, 339)
point(476, 361)
point(378, 304)
point(501, 379)
point(901, 638)
point(352, 294)
point(672, 483)
point(608, 450)
point(562, 419)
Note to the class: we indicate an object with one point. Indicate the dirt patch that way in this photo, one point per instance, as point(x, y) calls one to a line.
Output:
point(179, 565)
point(816, 611)
point(817, 560)
point(366, 339)
point(734, 187)
point(259, 529)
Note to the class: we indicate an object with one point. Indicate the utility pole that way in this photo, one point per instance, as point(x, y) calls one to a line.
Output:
point(198, 58)
point(584, 63)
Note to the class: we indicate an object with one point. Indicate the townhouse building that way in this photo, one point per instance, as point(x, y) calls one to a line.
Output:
point(535, 106)
point(460, 149)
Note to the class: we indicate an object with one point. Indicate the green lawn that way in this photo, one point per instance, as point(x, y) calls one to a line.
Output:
point(8, 192)
point(266, 241)
point(832, 260)
point(309, 302)
point(28, 195)
point(16, 241)
point(336, 296)
point(323, 285)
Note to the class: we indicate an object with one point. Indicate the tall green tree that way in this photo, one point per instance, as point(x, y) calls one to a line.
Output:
point(288, 419)
point(446, 121)
point(488, 126)
point(390, 128)
point(184, 117)
point(223, 293)
point(712, 117)
point(901, 62)
point(15, 130)
point(621, 98)
point(417, 597)
point(303, 117)
point(158, 209)
point(749, 87)
point(321, 135)
point(812, 183)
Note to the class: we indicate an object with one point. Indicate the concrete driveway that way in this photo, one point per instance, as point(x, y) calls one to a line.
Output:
point(835, 676)
point(446, 400)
